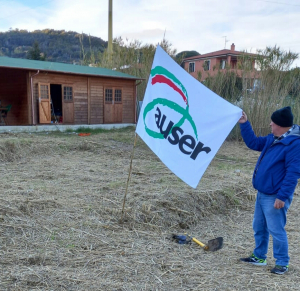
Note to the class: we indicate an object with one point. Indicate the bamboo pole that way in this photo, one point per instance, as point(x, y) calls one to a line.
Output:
point(130, 168)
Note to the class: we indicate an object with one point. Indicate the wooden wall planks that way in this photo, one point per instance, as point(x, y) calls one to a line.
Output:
point(88, 95)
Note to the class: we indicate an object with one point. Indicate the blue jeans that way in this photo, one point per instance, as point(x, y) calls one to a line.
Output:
point(269, 220)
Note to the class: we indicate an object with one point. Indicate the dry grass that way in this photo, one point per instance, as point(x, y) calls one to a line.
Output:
point(60, 210)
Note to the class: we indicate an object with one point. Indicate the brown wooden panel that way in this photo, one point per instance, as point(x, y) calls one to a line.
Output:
point(44, 103)
point(68, 104)
point(44, 112)
point(118, 113)
point(108, 113)
point(68, 112)
point(96, 111)
point(13, 91)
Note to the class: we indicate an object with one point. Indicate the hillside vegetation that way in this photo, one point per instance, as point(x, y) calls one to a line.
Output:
point(57, 45)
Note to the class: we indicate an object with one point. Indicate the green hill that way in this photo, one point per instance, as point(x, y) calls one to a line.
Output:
point(57, 45)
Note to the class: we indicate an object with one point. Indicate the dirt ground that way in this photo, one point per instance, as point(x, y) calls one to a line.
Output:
point(62, 226)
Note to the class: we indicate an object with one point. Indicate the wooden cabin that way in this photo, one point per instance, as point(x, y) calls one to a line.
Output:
point(46, 92)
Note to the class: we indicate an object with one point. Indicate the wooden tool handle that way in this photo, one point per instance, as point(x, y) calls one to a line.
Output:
point(200, 243)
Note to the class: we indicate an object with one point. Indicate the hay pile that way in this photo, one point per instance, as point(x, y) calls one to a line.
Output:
point(60, 208)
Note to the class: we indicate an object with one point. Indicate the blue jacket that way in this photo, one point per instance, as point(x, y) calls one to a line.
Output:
point(278, 168)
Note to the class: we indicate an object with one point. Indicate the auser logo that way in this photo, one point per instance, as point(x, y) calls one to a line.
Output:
point(173, 133)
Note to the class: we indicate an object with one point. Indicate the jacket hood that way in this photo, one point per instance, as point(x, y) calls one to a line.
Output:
point(296, 130)
point(294, 134)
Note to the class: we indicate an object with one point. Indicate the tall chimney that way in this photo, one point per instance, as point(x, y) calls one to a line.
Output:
point(233, 47)
point(109, 47)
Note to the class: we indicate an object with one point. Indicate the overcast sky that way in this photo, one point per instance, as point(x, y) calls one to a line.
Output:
point(201, 25)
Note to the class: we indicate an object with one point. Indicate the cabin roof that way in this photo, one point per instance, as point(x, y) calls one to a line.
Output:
point(6, 62)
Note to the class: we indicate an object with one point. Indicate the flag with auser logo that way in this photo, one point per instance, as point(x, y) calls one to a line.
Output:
point(182, 121)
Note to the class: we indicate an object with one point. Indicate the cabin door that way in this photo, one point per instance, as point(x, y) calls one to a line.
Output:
point(68, 104)
point(113, 106)
point(44, 103)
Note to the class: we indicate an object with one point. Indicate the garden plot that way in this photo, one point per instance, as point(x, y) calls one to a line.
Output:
point(61, 223)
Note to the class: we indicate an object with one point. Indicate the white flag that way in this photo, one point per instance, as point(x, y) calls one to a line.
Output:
point(182, 121)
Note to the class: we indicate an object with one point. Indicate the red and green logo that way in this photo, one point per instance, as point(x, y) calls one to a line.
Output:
point(173, 132)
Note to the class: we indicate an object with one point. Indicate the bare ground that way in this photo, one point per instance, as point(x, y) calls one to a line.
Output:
point(61, 204)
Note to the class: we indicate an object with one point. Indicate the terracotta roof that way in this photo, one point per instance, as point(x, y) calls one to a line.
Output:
point(7, 62)
point(224, 52)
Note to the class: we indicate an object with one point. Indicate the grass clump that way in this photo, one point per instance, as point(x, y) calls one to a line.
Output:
point(12, 149)
point(84, 129)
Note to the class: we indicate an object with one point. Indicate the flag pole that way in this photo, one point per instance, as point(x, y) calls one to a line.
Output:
point(130, 168)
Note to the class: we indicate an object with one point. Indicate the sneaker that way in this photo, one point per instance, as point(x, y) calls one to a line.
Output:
point(280, 269)
point(254, 261)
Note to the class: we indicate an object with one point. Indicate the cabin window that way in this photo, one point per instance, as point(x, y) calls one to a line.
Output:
point(108, 95)
point(44, 91)
point(118, 95)
point(68, 93)
point(191, 67)
point(113, 96)
point(206, 65)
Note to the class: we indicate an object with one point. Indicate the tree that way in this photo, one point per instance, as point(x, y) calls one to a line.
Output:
point(133, 58)
point(35, 53)
point(187, 54)
point(275, 58)
point(294, 76)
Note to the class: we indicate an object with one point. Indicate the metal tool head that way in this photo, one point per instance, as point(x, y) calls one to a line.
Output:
point(214, 244)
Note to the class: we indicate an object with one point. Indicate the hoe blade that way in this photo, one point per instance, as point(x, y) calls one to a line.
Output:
point(215, 244)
